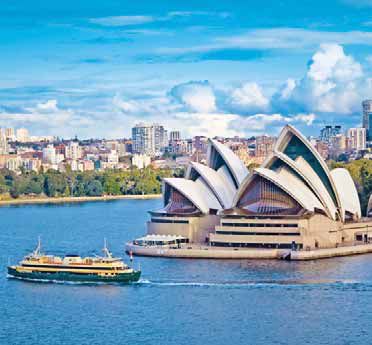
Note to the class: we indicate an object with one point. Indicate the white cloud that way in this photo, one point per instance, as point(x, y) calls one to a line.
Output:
point(208, 124)
point(117, 21)
point(295, 38)
point(197, 13)
point(285, 91)
point(195, 96)
point(142, 107)
point(276, 38)
point(269, 123)
point(122, 20)
point(48, 106)
point(334, 83)
point(47, 113)
point(46, 118)
point(307, 119)
point(330, 62)
point(248, 98)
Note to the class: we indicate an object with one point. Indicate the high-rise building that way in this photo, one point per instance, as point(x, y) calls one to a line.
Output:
point(357, 138)
point(367, 117)
point(149, 139)
point(200, 143)
point(161, 138)
point(322, 148)
point(10, 135)
point(4, 148)
point(22, 135)
point(328, 132)
point(73, 150)
point(174, 135)
point(128, 146)
point(264, 147)
point(49, 154)
point(338, 145)
point(143, 139)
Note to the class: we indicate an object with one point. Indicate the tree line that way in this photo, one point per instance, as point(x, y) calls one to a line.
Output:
point(91, 183)
point(132, 182)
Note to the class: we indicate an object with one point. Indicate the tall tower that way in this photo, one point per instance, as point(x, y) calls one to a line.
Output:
point(3, 142)
point(150, 139)
point(174, 135)
point(367, 117)
point(143, 139)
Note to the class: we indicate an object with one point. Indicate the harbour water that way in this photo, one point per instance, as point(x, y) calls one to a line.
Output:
point(177, 301)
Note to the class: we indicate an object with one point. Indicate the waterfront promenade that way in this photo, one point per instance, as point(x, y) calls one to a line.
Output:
point(57, 200)
point(195, 251)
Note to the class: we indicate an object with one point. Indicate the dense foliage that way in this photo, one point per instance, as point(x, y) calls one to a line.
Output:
point(361, 172)
point(57, 184)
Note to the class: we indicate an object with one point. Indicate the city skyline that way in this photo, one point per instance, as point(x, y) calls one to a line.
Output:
point(184, 66)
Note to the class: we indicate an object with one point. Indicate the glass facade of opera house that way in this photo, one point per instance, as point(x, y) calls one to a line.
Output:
point(292, 200)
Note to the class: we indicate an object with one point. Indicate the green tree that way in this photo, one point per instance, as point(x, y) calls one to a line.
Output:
point(55, 184)
point(94, 188)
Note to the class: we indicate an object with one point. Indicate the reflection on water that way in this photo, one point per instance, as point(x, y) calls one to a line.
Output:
point(178, 301)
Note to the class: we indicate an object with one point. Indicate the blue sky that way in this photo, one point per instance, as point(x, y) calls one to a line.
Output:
point(94, 68)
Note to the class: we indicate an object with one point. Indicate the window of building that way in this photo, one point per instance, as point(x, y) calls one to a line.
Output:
point(264, 197)
point(177, 221)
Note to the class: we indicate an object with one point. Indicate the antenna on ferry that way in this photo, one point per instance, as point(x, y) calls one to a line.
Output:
point(38, 248)
point(105, 249)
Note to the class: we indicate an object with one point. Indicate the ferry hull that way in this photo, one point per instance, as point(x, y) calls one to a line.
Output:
point(75, 277)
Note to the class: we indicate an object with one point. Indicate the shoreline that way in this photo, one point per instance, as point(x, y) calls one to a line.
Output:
point(58, 200)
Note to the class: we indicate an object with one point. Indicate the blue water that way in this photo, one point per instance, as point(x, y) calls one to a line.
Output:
point(177, 301)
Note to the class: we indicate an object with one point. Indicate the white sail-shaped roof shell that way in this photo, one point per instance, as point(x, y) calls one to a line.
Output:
point(289, 183)
point(235, 166)
point(303, 169)
point(223, 189)
point(227, 179)
point(196, 192)
point(282, 144)
point(347, 191)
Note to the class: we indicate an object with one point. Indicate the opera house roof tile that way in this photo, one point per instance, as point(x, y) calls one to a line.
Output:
point(296, 168)
point(198, 195)
point(236, 167)
point(293, 180)
point(349, 199)
point(224, 191)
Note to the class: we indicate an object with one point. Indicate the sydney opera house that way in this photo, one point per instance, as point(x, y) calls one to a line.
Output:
point(292, 201)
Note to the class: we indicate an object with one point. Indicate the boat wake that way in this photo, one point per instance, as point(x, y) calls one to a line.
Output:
point(253, 284)
point(248, 284)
